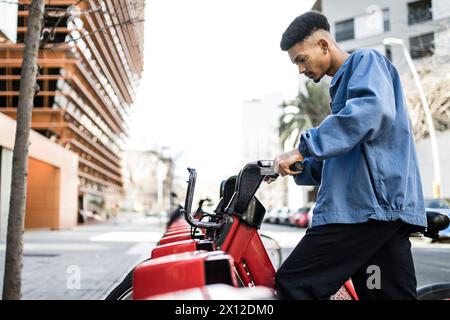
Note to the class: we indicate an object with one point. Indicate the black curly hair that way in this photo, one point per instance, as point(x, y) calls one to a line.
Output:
point(302, 27)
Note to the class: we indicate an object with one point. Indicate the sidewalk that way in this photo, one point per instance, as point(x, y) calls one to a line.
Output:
point(85, 262)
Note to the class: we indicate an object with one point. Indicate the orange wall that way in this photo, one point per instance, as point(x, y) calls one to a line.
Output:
point(42, 210)
point(52, 180)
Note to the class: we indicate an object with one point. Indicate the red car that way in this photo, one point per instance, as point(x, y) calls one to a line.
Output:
point(299, 218)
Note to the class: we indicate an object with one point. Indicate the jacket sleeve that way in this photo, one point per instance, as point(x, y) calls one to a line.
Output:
point(311, 174)
point(368, 111)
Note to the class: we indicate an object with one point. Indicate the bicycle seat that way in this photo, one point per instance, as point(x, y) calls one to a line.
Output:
point(243, 202)
point(436, 222)
point(248, 181)
point(227, 188)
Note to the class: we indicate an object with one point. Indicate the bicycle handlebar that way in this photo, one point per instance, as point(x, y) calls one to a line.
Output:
point(268, 167)
point(188, 205)
point(248, 182)
point(297, 166)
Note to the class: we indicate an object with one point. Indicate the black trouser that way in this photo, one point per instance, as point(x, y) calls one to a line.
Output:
point(328, 255)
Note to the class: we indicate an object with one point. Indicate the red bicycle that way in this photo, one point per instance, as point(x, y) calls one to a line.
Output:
point(227, 248)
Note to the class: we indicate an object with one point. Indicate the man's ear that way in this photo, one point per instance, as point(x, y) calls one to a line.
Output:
point(323, 45)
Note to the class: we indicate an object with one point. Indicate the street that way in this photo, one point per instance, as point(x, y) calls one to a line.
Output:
point(88, 261)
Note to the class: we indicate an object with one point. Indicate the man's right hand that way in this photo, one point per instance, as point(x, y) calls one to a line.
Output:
point(284, 160)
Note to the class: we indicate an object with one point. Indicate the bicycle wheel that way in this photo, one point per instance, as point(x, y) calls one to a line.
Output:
point(124, 291)
point(273, 250)
point(438, 291)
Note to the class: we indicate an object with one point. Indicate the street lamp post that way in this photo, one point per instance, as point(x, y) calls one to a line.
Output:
point(293, 111)
point(429, 119)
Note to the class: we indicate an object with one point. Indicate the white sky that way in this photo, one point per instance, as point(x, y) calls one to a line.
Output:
point(202, 59)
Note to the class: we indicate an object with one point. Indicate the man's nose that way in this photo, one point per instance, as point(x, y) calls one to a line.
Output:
point(301, 69)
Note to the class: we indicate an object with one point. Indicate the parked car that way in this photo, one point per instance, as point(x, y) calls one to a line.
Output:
point(282, 215)
point(299, 217)
point(438, 205)
point(441, 206)
point(270, 216)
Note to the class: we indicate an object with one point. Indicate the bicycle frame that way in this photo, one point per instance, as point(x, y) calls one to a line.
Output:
point(251, 260)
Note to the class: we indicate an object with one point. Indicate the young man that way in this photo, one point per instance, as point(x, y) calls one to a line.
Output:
point(363, 157)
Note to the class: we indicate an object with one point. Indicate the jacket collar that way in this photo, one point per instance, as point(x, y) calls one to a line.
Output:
point(340, 71)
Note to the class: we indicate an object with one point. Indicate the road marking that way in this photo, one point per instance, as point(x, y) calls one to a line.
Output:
point(60, 247)
point(143, 249)
point(122, 236)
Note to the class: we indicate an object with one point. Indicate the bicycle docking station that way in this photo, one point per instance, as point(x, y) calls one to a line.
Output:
point(224, 256)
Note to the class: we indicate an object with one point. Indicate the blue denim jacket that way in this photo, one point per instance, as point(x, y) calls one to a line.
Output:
point(363, 155)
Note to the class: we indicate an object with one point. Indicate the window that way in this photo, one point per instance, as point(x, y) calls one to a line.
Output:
point(45, 132)
point(16, 85)
point(53, 71)
point(59, 37)
point(345, 30)
point(52, 85)
point(51, 100)
point(421, 46)
point(38, 102)
point(40, 84)
point(53, 21)
point(386, 20)
point(3, 102)
point(20, 37)
point(21, 21)
point(419, 11)
point(57, 9)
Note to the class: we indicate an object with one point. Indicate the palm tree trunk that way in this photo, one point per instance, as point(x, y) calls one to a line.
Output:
point(12, 282)
point(297, 137)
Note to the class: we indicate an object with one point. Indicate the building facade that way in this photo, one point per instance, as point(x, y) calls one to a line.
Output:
point(149, 181)
point(424, 28)
point(90, 61)
point(260, 142)
point(422, 25)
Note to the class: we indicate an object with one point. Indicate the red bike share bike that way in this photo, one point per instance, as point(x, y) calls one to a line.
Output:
point(198, 253)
